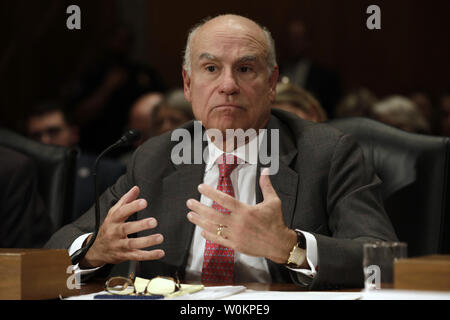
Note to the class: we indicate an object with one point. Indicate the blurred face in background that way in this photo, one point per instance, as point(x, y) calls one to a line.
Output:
point(166, 118)
point(51, 128)
point(297, 111)
point(140, 117)
point(296, 100)
point(229, 84)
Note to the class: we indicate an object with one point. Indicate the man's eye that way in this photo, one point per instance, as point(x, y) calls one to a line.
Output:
point(211, 68)
point(244, 69)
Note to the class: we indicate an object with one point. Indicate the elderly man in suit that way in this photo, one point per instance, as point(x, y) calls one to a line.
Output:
point(215, 222)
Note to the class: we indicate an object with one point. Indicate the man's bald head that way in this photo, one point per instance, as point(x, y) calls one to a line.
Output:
point(230, 73)
point(227, 22)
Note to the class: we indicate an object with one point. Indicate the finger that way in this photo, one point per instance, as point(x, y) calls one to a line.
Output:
point(219, 197)
point(142, 255)
point(206, 212)
point(205, 224)
point(138, 226)
point(126, 210)
point(266, 185)
point(131, 195)
point(141, 242)
point(213, 237)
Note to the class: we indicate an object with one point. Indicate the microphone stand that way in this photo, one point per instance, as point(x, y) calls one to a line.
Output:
point(127, 138)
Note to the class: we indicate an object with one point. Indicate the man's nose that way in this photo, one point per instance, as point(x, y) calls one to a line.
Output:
point(229, 85)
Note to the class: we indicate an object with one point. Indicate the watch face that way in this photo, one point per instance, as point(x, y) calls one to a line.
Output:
point(297, 257)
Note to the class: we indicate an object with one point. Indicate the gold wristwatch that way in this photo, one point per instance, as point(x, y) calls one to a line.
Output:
point(298, 254)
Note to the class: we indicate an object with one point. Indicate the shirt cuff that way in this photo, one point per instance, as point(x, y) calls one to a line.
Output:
point(76, 245)
point(311, 256)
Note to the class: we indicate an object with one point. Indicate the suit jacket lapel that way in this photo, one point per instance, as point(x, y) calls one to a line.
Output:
point(178, 187)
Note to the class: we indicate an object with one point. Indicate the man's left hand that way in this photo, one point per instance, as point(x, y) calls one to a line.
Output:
point(255, 230)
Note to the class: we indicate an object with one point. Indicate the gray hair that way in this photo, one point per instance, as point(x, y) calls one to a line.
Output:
point(271, 54)
point(401, 112)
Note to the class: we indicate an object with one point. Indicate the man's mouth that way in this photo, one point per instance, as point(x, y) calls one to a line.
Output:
point(229, 106)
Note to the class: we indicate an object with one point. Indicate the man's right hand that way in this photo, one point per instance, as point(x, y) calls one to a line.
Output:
point(112, 244)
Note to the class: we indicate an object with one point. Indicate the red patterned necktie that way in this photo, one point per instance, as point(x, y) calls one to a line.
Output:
point(218, 261)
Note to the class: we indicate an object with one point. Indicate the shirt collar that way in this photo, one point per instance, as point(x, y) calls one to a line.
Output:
point(247, 153)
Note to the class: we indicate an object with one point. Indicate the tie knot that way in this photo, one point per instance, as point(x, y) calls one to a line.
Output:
point(227, 163)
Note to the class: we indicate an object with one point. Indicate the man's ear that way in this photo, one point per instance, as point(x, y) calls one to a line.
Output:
point(273, 80)
point(186, 85)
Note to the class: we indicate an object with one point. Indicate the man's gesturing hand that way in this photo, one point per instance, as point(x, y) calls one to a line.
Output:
point(257, 230)
point(112, 244)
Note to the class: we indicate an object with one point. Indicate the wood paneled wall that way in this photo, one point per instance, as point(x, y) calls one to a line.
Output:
point(411, 50)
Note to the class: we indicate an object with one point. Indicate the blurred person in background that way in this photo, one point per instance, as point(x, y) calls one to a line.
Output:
point(174, 111)
point(154, 113)
point(51, 123)
point(424, 103)
point(102, 98)
point(444, 111)
point(298, 101)
point(358, 103)
point(402, 113)
point(322, 82)
point(140, 117)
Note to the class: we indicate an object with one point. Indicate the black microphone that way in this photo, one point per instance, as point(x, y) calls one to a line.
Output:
point(129, 137)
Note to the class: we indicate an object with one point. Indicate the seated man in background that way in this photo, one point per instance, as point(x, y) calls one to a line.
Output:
point(171, 113)
point(357, 103)
point(227, 221)
point(155, 113)
point(50, 123)
point(298, 101)
point(140, 117)
point(24, 223)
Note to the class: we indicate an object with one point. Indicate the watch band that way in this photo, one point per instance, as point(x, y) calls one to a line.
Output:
point(301, 240)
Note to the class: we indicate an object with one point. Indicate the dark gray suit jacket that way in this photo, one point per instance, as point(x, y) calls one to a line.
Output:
point(323, 182)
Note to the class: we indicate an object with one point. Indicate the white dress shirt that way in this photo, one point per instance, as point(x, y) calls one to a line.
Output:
point(243, 178)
